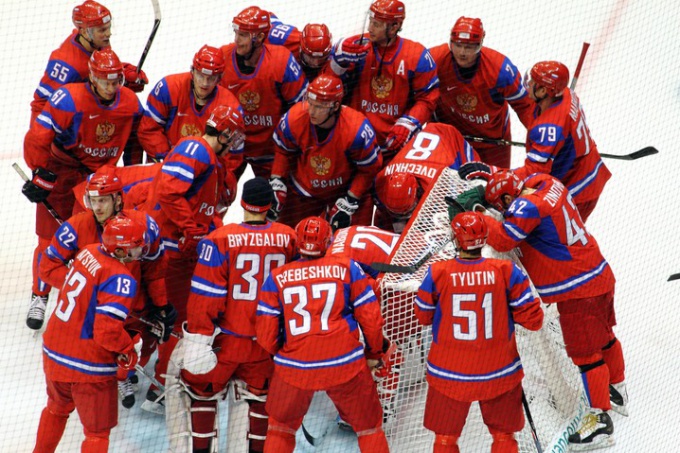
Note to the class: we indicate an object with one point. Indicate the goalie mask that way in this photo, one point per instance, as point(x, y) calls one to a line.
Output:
point(469, 230)
point(313, 236)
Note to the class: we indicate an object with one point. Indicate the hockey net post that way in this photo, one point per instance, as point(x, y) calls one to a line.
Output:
point(552, 385)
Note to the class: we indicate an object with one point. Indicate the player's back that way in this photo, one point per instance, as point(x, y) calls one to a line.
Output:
point(252, 252)
point(474, 351)
point(318, 299)
point(365, 245)
point(97, 293)
point(561, 256)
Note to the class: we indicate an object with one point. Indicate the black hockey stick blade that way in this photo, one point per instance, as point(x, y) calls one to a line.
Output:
point(393, 268)
point(644, 152)
point(674, 277)
point(308, 436)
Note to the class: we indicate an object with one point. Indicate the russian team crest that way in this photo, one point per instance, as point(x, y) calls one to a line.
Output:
point(250, 100)
point(190, 130)
point(467, 102)
point(104, 132)
point(321, 165)
point(381, 86)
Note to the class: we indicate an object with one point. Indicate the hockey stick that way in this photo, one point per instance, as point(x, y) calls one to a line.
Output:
point(147, 375)
point(674, 277)
point(45, 203)
point(646, 151)
point(530, 419)
point(156, 24)
point(493, 141)
point(397, 269)
point(579, 65)
point(308, 437)
point(151, 324)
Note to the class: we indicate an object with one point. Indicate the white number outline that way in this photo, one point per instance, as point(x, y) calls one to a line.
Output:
point(317, 293)
point(72, 279)
point(471, 315)
point(271, 260)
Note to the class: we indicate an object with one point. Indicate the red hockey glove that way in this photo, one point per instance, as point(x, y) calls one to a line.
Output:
point(39, 188)
point(189, 242)
point(133, 80)
point(350, 51)
point(340, 215)
point(400, 133)
point(280, 194)
point(381, 364)
point(127, 359)
point(476, 170)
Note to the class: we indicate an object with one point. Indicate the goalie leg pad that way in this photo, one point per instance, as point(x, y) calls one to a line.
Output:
point(177, 415)
point(445, 444)
point(247, 402)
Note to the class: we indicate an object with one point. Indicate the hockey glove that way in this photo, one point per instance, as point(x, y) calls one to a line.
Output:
point(340, 216)
point(163, 319)
point(133, 80)
point(350, 51)
point(476, 170)
point(280, 194)
point(400, 133)
point(381, 363)
point(127, 359)
point(189, 242)
point(199, 357)
point(39, 188)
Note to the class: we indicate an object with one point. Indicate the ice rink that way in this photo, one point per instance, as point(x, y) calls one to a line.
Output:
point(630, 90)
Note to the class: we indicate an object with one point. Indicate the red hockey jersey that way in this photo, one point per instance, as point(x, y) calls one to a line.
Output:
point(233, 263)
point(67, 64)
point(473, 306)
point(400, 80)
point(308, 317)
point(365, 245)
point(85, 332)
point(563, 260)
point(347, 159)
point(478, 106)
point(185, 193)
point(82, 230)
point(435, 147)
point(265, 95)
point(559, 143)
point(171, 113)
point(79, 129)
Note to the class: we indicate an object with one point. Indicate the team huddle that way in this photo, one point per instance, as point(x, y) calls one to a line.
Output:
point(345, 139)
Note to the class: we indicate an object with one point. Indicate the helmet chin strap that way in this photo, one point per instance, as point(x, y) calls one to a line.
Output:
point(538, 100)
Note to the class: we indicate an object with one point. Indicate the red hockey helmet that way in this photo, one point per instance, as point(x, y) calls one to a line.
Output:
point(90, 14)
point(124, 233)
point(388, 11)
point(228, 122)
point(209, 61)
point(316, 41)
point(313, 236)
point(469, 230)
point(468, 30)
point(252, 20)
point(400, 193)
point(103, 182)
point(326, 88)
point(551, 75)
point(503, 182)
point(104, 64)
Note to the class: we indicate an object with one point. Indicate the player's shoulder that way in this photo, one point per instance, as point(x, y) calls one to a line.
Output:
point(492, 57)
point(440, 52)
point(81, 220)
point(277, 55)
point(225, 97)
point(351, 119)
point(282, 228)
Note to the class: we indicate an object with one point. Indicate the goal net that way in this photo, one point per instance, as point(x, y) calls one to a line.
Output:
point(552, 384)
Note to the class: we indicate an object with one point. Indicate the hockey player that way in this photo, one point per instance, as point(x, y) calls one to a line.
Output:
point(83, 127)
point(267, 81)
point(69, 62)
point(476, 86)
point(558, 141)
point(307, 318)
point(565, 264)
point(365, 245)
point(103, 197)
point(400, 185)
point(311, 47)
point(327, 154)
point(473, 304)
point(183, 198)
point(393, 80)
point(180, 103)
point(85, 344)
point(233, 263)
